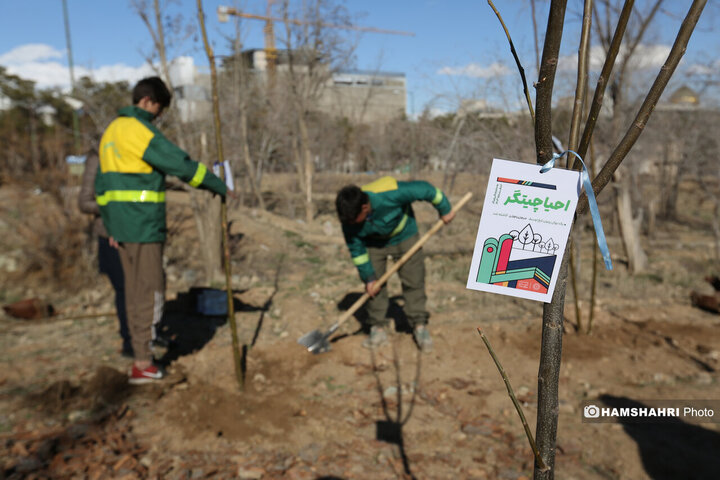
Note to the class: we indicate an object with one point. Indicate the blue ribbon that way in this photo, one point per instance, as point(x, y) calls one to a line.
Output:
point(594, 212)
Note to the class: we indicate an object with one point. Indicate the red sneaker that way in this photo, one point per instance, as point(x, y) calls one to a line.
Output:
point(149, 375)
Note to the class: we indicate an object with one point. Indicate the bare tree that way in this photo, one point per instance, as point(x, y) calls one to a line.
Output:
point(240, 87)
point(166, 31)
point(551, 348)
point(639, 28)
point(313, 53)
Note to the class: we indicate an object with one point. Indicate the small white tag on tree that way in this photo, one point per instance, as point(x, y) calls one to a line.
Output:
point(228, 174)
point(523, 231)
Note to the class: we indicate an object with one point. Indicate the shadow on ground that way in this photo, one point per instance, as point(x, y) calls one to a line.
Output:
point(672, 449)
point(390, 430)
point(395, 313)
point(184, 330)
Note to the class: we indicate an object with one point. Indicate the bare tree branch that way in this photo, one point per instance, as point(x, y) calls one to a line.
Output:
point(546, 81)
point(517, 60)
point(578, 106)
point(582, 77)
point(603, 80)
point(648, 105)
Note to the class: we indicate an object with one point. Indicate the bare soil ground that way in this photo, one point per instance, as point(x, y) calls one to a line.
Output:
point(66, 411)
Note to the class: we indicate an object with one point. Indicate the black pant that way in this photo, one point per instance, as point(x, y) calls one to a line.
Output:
point(109, 263)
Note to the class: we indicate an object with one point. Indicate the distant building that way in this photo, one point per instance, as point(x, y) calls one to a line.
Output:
point(685, 96)
point(479, 108)
point(682, 99)
point(362, 96)
point(194, 101)
point(365, 96)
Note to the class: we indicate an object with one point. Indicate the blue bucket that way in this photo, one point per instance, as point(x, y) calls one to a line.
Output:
point(211, 301)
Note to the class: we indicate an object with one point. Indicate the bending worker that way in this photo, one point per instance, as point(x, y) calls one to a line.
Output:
point(378, 221)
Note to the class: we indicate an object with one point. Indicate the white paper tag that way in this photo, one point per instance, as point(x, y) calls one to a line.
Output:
point(523, 231)
point(228, 174)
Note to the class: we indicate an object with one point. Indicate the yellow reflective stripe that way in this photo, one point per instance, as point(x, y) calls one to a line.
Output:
point(438, 196)
point(400, 226)
point(143, 196)
point(364, 258)
point(197, 179)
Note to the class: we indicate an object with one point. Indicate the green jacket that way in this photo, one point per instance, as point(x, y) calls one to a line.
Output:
point(391, 218)
point(130, 183)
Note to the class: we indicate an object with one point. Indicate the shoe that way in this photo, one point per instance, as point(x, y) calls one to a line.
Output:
point(149, 375)
point(422, 338)
point(377, 338)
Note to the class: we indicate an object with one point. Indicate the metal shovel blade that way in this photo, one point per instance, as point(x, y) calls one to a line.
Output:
point(315, 341)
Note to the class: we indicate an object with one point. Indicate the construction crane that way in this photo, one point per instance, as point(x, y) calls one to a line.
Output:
point(269, 30)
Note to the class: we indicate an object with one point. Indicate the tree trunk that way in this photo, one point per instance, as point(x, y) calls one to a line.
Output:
point(551, 349)
point(206, 211)
point(670, 200)
point(257, 192)
point(652, 219)
point(549, 373)
point(34, 149)
point(629, 227)
point(451, 149)
point(237, 359)
point(308, 169)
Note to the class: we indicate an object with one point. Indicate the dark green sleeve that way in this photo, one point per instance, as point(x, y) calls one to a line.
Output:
point(170, 159)
point(409, 192)
point(359, 254)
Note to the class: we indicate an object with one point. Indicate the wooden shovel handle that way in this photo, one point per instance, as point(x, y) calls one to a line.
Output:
point(396, 266)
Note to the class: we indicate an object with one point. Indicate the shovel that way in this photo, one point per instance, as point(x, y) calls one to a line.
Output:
point(317, 342)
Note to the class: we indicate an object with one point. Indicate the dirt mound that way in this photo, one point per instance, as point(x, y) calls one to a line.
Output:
point(211, 404)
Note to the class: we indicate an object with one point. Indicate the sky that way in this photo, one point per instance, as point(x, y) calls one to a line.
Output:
point(458, 50)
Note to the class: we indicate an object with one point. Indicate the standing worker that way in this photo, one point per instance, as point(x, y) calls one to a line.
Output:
point(108, 257)
point(130, 191)
point(377, 221)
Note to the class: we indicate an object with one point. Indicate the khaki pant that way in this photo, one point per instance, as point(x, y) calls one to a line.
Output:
point(144, 293)
point(412, 277)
